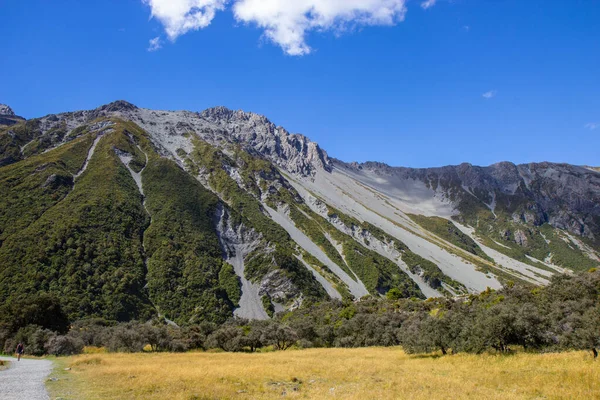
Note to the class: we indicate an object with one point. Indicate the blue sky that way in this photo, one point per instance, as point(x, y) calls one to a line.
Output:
point(406, 88)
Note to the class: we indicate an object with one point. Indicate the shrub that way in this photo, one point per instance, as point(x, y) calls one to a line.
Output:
point(63, 345)
point(33, 338)
point(227, 338)
point(125, 338)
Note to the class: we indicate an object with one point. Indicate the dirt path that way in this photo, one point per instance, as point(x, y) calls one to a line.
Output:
point(24, 380)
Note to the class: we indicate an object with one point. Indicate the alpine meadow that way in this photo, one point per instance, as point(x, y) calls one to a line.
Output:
point(152, 250)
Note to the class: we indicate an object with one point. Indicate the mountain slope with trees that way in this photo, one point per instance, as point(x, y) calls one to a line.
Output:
point(124, 213)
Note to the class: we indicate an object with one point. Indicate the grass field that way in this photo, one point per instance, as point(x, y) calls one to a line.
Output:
point(371, 373)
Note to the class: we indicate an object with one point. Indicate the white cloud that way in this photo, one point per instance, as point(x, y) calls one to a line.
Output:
point(428, 4)
point(155, 44)
point(490, 94)
point(592, 126)
point(287, 22)
point(466, 28)
point(181, 16)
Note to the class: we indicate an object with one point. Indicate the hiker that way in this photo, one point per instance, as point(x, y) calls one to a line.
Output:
point(20, 350)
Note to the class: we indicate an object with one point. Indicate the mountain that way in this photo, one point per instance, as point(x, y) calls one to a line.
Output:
point(8, 117)
point(126, 213)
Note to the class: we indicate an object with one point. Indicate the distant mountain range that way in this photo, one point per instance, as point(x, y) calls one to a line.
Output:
point(126, 213)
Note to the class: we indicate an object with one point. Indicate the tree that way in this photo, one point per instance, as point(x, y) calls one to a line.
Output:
point(43, 309)
point(425, 333)
point(394, 294)
point(228, 338)
point(63, 345)
point(156, 336)
point(253, 335)
point(279, 336)
point(586, 335)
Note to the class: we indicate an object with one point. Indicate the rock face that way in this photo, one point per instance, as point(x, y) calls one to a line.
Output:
point(218, 126)
point(293, 152)
point(565, 196)
point(6, 110)
point(8, 117)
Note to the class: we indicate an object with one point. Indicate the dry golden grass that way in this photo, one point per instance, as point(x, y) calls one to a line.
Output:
point(372, 373)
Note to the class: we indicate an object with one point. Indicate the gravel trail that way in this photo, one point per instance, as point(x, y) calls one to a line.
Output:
point(24, 380)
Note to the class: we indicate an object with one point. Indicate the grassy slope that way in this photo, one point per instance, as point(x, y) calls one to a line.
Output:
point(383, 373)
point(448, 231)
point(564, 252)
point(186, 278)
point(13, 137)
point(94, 244)
point(97, 248)
point(261, 177)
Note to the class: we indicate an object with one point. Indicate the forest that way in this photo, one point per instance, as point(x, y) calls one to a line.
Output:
point(565, 315)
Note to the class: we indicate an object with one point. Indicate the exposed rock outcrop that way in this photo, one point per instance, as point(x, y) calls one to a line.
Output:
point(566, 196)
point(6, 110)
point(8, 116)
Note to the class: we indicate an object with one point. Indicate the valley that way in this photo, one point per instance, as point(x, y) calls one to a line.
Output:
point(383, 373)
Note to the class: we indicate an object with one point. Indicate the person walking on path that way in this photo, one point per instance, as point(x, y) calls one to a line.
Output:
point(20, 350)
point(25, 380)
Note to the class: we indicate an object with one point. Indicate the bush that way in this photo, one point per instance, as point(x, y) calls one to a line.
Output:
point(126, 338)
point(227, 338)
point(92, 332)
point(33, 338)
point(63, 345)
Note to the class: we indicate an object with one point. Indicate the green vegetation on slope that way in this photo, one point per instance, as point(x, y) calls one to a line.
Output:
point(448, 231)
point(13, 137)
point(86, 248)
point(522, 239)
point(96, 245)
point(231, 283)
point(187, 279)
point(30, 187)
point(213, 163)
point(378, 273)
point(325, 272)
point(313, 229)
point(428, 270)
point(184, 256)
point(248, 210)
point(539, 242)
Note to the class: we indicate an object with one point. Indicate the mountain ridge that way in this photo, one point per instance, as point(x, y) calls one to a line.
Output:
point(220, 111)
point(283, 224)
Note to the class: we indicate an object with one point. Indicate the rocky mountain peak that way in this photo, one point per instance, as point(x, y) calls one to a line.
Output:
point(224, 114)
point(6, 110)
point(217, 113)
point(293, 152)
point(118, 106)
point(8, 117)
